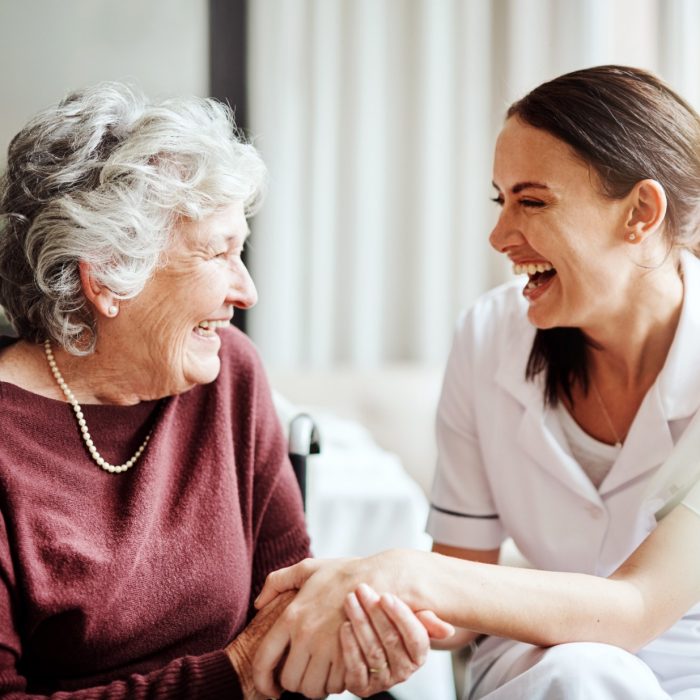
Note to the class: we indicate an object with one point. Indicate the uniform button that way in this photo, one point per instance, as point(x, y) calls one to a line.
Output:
point(594, 511)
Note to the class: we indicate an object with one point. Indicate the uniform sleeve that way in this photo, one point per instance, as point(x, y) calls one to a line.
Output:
point(208, 676)
point(462, 509)
point(278, 514)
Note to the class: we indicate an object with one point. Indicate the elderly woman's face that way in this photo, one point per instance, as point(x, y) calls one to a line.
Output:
point(556, 222)
point(170, 330)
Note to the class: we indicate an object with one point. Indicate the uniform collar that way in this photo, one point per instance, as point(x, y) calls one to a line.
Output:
point(674, 395)
point(512, 365)
point(679, 379)
point(539, 435)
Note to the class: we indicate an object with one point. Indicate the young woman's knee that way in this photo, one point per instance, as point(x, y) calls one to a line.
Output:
point(594, 670)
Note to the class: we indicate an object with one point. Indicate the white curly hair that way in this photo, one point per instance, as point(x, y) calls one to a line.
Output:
point(102, 177)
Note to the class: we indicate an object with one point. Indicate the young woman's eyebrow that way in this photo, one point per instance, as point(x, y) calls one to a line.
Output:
point(520, 186)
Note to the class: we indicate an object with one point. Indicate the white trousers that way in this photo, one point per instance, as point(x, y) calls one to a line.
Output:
point(507, 670)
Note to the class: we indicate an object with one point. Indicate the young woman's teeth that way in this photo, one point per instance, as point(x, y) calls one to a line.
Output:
point(531, 269)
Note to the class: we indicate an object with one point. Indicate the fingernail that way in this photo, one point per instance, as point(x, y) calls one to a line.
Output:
point(353, 601)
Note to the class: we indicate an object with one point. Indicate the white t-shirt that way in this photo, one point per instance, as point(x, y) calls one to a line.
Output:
point(595, 457)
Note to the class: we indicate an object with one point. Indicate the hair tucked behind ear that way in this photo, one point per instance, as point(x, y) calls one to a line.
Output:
point(629, 126)
point(101, 177)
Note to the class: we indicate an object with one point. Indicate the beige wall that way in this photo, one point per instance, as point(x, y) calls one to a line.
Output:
point(49, 47)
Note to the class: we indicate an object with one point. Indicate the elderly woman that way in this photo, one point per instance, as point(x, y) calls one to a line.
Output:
point(146, 491)
point(563, 398)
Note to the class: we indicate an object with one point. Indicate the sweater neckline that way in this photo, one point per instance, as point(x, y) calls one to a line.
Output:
point(8, 389)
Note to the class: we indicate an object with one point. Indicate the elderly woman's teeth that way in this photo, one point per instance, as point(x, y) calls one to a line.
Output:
point(531, 269)
point(209, 327)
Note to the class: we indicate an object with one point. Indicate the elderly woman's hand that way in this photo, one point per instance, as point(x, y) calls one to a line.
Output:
point(384, 642)
point(242, 649)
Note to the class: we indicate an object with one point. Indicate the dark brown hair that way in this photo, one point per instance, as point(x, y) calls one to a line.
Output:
point(628, 125)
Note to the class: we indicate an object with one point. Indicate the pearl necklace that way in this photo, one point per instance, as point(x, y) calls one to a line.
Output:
point(82, 424)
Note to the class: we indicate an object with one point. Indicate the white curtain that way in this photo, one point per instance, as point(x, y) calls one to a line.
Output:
point(377, 120)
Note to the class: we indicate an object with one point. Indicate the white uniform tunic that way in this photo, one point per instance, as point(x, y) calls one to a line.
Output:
point(505, 469)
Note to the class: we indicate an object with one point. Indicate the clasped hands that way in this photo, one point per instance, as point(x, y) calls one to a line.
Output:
point(322, 629)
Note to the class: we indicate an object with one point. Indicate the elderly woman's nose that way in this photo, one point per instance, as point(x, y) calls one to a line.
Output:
point(242, 292)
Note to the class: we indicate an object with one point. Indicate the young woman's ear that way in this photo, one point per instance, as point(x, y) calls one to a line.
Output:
point(647, 210)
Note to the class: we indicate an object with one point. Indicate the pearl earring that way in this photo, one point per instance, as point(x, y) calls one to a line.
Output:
point(112, 310)
point(632, 236)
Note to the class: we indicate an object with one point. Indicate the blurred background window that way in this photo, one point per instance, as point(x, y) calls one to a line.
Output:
point(377, 120)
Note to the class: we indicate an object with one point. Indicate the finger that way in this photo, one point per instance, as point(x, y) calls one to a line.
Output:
point(364, 631)
point(412, 632)
point(290, 578)
point(356, 675)
point(371, 638)
point(292, 673)
point(336, 677)
point(434, 626)
point(315, 679)
point(405, 640)
point(270, 652)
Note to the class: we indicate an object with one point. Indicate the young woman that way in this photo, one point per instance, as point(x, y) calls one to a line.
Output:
point(563, 397)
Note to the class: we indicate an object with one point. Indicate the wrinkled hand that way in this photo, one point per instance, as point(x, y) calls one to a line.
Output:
point(309, 628)
point(243, 648)
point(384, 642)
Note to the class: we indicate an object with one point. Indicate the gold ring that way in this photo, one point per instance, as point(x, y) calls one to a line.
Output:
point(378, 670)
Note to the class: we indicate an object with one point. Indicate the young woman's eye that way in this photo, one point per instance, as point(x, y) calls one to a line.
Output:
point(498, 200)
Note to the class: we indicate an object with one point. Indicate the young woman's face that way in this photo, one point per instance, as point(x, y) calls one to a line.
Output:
point(557, 226)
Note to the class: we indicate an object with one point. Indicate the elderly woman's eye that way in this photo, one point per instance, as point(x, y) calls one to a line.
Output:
point(531, 203)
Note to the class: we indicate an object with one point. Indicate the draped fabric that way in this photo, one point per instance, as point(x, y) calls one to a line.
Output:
point(377, 119)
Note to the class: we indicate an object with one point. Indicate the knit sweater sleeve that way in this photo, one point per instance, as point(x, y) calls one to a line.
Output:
point(278, 516)
point(207, 676)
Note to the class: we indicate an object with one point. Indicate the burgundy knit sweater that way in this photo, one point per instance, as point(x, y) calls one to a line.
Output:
point(130, 585)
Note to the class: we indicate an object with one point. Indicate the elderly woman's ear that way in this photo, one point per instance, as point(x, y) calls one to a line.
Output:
point(102, 298)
